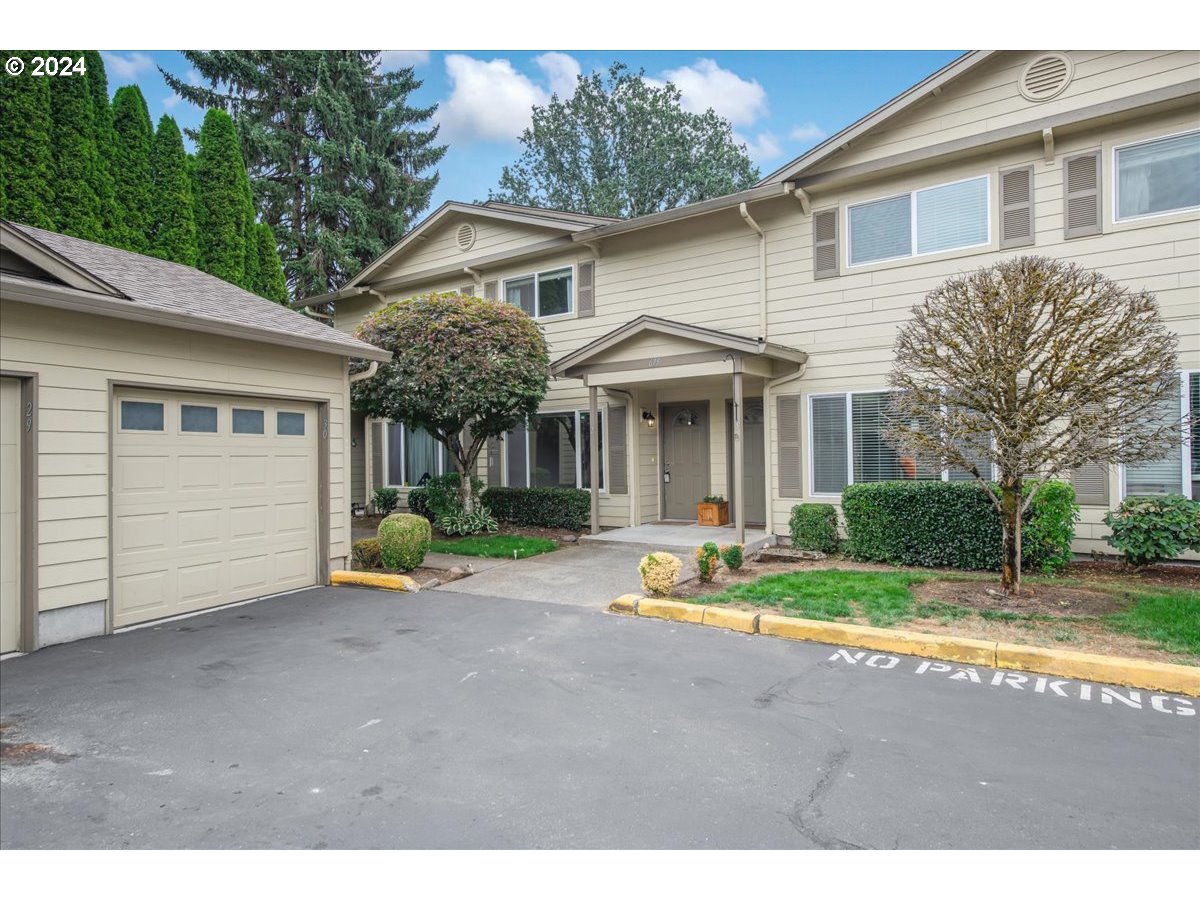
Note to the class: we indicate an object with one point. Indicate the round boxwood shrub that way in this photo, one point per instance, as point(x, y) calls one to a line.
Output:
point(403, 541)
point(733, 555)
point(813, 526)
point(660, 572)
point(1151, 529)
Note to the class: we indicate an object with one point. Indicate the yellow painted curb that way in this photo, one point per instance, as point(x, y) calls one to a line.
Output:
point(654, 608)
point(733, 619)
point(626, 604)
point(1152, 676)
point(911, 643)
point(375, 580)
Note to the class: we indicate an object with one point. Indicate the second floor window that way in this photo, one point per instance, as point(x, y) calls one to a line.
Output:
point(931, 220)
point(542, 294)
point(1158, 176)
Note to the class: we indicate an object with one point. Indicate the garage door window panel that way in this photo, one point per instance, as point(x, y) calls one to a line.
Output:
point(289, 424)
point(248, 421)
point(141, 415)
point(197, 419)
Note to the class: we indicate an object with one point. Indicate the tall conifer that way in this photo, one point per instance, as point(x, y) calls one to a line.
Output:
point(172, 214)
point(103, 116)
point(75, 158)
point(133, 135)
point(271, 281)
point(26, 159)
point(220, 199)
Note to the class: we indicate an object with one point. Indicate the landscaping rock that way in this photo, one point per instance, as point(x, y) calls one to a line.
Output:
point(569, 539)
point(788, 554)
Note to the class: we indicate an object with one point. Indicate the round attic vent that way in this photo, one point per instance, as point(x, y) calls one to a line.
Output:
point(1046, 77)
point(466, 236)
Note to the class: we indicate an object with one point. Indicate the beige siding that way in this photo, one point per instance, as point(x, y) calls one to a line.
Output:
point(76, 356)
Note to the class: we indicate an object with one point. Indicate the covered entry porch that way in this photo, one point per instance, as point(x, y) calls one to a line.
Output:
point(699, 423)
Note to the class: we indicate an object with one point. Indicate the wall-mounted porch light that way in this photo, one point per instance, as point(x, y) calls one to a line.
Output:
point(648, 418)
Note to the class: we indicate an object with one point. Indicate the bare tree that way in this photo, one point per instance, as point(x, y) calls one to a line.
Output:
point(1035, 367)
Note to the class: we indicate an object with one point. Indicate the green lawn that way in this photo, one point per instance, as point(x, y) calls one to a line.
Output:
point(495, 546)
point(1169, 618)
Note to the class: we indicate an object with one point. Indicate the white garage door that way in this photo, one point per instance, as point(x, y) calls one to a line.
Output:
point(10, 514)
point(214, 501)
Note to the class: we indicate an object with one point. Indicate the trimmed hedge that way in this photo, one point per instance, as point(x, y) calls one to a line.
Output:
point(813, 526)
point(546, 507)
point(403, 541)
point(954, 525)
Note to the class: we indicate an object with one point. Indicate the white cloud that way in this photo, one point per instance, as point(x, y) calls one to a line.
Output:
point(491, 101)
point(808, 133)
point(762, 147)
point(705, 85)
point(128, 67)
point(391, 60)
point(193, 78)
point(172, 101)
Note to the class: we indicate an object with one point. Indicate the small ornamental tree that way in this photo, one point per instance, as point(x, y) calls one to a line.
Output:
point(1032, 366)
point(463, 369)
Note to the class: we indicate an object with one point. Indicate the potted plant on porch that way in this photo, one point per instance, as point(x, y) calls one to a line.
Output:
point(712, 510)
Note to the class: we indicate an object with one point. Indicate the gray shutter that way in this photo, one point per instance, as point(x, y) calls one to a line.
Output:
point(825, 244)
point(586, 292)
point(1091, 485)
point(1016, 208)
point(489, 290)
point(377, 459)
point(495, 468)
point(1081, 195)
point(788, 426)
point(618, 455)
point(467, 290)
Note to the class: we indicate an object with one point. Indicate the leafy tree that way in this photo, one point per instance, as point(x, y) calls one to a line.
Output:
point(624, 147)
point(172, 215)
point(1032, 366)
point(132, 137)
point(337, 157)
point(220, 199)
point(271, 281)
point(110, 210)
point(77, 209)
point(463, 369)
point(26, 157)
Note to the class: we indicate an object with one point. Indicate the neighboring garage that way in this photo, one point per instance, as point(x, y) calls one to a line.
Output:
point(170, 442)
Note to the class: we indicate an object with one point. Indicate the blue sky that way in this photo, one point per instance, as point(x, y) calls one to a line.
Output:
point(780, 102)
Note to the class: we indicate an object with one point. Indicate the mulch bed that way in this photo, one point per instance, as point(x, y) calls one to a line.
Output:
point(1177, 575)
point(1040, 599)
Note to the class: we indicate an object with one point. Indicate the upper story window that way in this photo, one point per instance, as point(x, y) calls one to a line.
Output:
point(1159, 176)
point(943, 217)
point(543, 293)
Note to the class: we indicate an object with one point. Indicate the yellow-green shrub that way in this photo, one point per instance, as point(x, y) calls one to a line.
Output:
point(404, 540)
point(660, 573)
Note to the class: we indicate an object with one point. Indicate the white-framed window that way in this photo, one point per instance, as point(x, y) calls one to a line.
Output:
point(1156, 177)
point(543, 294)
point(410, 454)
point(555, 451)
point(1179, 471)
point(142, 415)
point(846, 445)
point(952, 216)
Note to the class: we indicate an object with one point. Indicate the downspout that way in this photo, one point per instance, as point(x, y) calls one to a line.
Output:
point(368, 373)
point(762, 271)
point(768, 419)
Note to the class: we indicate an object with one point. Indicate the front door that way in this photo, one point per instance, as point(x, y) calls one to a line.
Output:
point(685, 458)
point(752, 460)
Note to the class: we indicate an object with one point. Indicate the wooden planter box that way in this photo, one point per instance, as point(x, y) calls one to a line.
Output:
point(712, 513)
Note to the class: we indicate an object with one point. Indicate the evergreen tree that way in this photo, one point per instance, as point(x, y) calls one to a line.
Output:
point(172, 216)
point(26, 158)
point(75, 158)
point(339, 162)
point(133, 135)
point(271, 282)
point(103, 114)
point(220, 199)
point(250, 260)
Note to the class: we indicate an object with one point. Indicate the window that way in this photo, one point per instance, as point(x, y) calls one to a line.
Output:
point(1179, 471)
point(554, 452)
point(1159, 176)
point(931, 220)
point(290, 424)
point(413, 455)
point(139, 415)
point(542, 294)
point(199, 419)
point(247, 421)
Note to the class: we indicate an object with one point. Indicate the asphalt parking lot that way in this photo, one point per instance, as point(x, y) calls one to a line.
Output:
point(350, 718)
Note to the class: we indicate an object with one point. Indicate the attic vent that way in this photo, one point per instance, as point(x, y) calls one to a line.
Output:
point(465, 236)
point(1046, 77)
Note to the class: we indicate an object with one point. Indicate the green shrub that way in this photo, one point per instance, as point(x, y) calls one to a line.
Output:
point(404, 541)
point(953, 524)
point(441, 495)
point(813, 526)
point(385, 500)
point(418, 503)
point(545, 507)
point(712, 498)
point(1150, 529)
point(660, 572)
point(733, 555)
point(463, 523)
point(366, 553)
point(708, 560)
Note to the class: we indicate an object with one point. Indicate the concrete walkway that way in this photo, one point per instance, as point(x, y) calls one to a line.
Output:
point(676, 536)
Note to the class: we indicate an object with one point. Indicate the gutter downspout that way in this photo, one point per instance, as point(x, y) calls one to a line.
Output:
point(762, 271)
point(768, 421)
point(369, 373)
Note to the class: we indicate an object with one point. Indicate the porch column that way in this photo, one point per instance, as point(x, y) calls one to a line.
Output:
point(739, 458)
point(594, 457)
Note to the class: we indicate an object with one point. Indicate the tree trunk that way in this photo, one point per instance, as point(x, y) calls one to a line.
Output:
point(1010, 521)
point(464, 490)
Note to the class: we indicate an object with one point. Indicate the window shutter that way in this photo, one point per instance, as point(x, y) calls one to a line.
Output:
point(788, 412)
point(618, 455)
point(1091, 485)
point(378, 475)
point(467, 290)
point(495, 471)
point(586, 292)
point(1081, 195)
point(489, 290)
point(1016, 208)
point(825, 246)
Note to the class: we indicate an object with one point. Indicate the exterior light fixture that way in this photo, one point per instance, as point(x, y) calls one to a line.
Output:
point(648, 418)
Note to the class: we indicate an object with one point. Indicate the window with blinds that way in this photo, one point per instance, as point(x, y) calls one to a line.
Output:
point(827, 419)
point(1194, 428)
point(931, 220)
point(1162, 476)
point(1158, 176)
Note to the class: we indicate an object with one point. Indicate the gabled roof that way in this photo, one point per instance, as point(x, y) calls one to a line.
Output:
point(721, 340)
point(108, 281)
